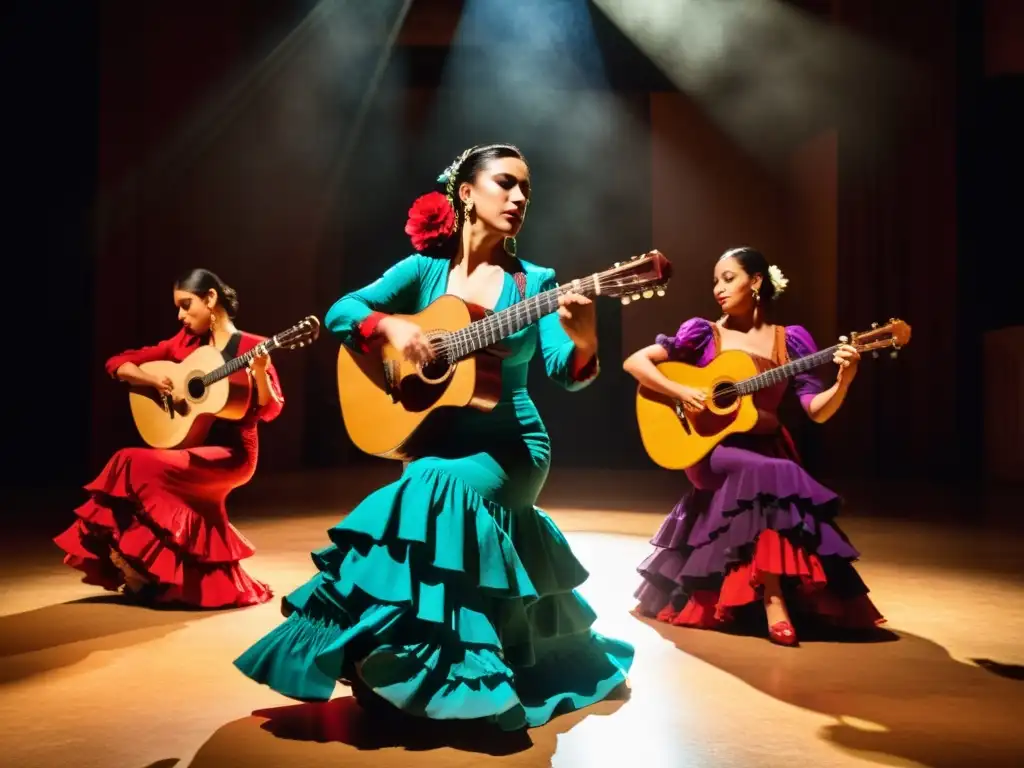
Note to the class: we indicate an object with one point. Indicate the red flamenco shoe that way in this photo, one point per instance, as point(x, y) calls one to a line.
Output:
point(782, 633)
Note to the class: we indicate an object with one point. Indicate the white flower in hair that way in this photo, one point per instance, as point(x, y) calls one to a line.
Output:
point(779, 281)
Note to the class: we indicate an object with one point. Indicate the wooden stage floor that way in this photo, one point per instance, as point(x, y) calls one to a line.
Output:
point(88, 681)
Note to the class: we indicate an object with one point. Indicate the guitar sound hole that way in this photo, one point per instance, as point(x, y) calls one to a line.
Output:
point(196, 388)
point(724, 395)
point(435, 370)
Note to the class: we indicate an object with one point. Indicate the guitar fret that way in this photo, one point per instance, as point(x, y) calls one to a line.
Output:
point(781, 373)
point(500, 325)
point(230, 367)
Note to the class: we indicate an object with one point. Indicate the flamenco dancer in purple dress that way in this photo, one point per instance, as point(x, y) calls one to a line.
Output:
point(756, 527)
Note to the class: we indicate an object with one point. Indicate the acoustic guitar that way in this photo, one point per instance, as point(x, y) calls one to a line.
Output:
point(392, 408)
point(677, 439)
point(206, 388)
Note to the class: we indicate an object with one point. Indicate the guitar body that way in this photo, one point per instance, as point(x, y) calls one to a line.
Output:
point(676, 439)
point(186, 422)
point(392, 408)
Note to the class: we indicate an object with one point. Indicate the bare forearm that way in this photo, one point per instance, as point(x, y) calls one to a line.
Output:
point(641, 368)
point(264, 392)
point(132, 374)
point(825, 404)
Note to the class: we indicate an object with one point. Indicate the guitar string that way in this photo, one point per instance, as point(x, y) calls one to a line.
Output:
point(516, 313)
point(451, 342)
point(768, 378)
point(237, 363)
point(795, 366)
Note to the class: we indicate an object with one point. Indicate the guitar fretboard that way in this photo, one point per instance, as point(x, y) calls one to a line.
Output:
point(493, 328)
point(238, 363)
point(780, 374)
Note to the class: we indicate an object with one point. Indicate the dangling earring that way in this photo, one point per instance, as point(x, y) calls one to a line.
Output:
point(510, 242)
point(213, 322)
point(757, 296)
point(468, 208)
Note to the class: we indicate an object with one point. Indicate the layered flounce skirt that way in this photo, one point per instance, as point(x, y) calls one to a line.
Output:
point(163, 513)
point(445, 605)
point(752, 515)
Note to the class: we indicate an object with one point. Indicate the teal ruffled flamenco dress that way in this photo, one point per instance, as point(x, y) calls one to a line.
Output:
point(448, 594)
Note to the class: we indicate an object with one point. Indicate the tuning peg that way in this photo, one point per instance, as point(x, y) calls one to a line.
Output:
point(894, 354)
point(633, 258)
point(874, 325)
point(625, 299)
point(618, 263)
point(635, 297)
point(875, 354)
point(660, 291)
point(648, 293)
point(844, 339)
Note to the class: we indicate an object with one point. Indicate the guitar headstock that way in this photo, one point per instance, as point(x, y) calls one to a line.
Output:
point(895, 335)
point(299, 335)
point(640, 277)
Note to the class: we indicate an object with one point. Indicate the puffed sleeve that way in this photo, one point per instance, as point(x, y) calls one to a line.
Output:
point(161, 351)
point(689, 342)
point(800, 343)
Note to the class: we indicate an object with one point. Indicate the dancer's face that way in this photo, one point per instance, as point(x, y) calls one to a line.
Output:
point(195, 312)
point(500, 194)
point(734, 288)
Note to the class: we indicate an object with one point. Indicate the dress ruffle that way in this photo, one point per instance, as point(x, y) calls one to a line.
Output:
point(449, 605)
point(190, 559)
point(769, 517)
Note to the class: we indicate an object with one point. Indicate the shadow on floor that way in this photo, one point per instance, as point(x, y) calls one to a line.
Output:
point(1009, 671)
point(340, 732)
point(56, 636)
point(908, 699)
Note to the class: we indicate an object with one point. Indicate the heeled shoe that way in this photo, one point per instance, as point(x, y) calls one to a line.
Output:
point(782, 633)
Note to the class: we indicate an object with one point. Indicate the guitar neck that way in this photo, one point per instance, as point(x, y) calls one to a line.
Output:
point(500, 325)
point(238, 363)
point(783, 372)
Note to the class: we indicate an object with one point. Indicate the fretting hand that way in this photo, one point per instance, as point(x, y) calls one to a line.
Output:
point(408, 338)
point(847, 358)
point(259, 361)
point(579, 319)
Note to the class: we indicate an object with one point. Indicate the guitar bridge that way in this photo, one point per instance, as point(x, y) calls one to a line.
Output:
point(391, 378)
point(681, 415)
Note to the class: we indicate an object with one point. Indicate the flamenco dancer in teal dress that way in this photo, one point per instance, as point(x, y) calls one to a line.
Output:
point(447, 593)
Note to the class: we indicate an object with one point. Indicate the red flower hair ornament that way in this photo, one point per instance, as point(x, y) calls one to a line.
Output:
point(431, 221)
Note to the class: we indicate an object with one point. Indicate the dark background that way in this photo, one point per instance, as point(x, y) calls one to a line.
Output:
point(146, 138)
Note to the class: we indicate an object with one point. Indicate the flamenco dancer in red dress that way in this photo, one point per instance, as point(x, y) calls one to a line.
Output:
point(156, 525)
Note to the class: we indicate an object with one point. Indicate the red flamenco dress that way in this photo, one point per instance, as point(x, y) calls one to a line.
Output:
point(162, 513)
point(753, 511)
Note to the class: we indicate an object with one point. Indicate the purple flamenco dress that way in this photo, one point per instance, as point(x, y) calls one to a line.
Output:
point(753, 510)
